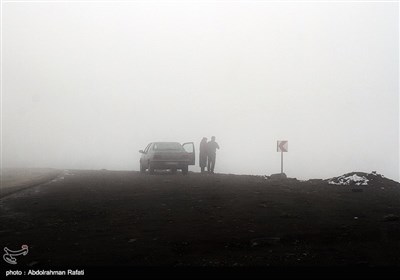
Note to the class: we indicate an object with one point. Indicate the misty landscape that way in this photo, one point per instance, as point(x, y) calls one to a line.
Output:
point(222, 134)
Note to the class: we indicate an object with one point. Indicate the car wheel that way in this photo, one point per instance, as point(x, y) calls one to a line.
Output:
point(185, 170)
point(151, 168)
point(142, 168)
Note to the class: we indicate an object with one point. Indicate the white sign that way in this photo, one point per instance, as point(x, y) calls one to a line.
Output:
point(282, 146)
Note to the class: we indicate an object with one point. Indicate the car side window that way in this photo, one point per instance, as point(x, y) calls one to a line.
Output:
point(147, 148)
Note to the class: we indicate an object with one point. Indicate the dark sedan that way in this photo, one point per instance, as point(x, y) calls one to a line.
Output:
point(167, 155)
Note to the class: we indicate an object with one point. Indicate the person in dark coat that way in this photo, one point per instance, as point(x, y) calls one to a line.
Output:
point(203, 154)
point(212, 147)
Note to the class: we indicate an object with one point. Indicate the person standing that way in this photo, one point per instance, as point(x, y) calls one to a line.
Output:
point(203, 154)
point(212, 147)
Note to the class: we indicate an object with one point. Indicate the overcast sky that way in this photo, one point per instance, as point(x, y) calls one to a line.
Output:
point(86, 85)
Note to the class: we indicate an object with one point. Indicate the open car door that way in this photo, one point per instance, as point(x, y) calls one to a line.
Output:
point(189, 148)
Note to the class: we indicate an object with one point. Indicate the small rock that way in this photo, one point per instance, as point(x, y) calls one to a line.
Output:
point(362, 263)
point(132, 240)
point(391, 218)
point(278, 176)
point(265, 241)
point(355, 218)
point(315, 180)
point(33, 263)
point(357, 190)
point(287, 215)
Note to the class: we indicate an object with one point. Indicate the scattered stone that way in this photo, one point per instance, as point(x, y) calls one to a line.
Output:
point(33, 263)
point(278, 176)
point(132, 240)
point(265, 241)
point(362, 263)
point(357, 190)
point(391, 218)
point(287, 215)
point(315, 180)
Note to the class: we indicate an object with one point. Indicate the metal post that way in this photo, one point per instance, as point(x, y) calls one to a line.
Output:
point(281, 162)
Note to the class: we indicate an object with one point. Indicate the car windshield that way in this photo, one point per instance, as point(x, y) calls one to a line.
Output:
point(168, 146)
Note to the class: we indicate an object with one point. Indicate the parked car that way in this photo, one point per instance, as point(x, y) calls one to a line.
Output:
point(167, 155)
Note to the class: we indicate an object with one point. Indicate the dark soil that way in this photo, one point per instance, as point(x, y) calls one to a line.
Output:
point(110, 218)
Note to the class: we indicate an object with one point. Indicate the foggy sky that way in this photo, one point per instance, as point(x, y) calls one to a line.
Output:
point(87, 85)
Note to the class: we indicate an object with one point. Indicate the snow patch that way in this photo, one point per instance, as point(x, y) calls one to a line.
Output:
point(349, 180)
point(67, 173)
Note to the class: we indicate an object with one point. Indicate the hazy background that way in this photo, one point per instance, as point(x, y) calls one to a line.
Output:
point(86, 85)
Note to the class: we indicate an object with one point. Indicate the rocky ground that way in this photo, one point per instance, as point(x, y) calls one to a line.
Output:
point(128, 219)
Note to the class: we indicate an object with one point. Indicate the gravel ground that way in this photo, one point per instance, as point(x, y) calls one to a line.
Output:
point(128, 219)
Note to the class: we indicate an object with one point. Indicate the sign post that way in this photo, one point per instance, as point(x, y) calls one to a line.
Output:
point(282, 146)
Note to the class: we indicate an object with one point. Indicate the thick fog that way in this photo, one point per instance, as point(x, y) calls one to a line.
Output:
point(86, 85)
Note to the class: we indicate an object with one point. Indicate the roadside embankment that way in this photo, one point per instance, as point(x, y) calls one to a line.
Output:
point(15, 179)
